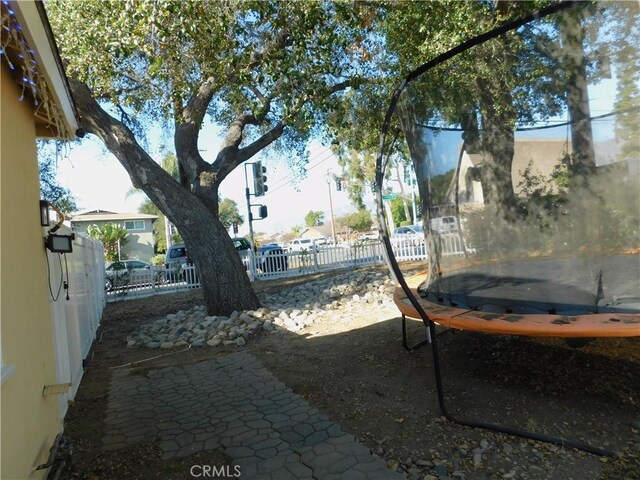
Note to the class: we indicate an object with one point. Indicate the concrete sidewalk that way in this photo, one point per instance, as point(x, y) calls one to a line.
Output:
point(236, 404)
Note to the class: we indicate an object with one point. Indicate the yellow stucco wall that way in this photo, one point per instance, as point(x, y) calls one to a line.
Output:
point(28, 421)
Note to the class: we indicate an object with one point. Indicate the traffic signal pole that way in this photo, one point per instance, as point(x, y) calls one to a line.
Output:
point(260, 187)
point(250, 218)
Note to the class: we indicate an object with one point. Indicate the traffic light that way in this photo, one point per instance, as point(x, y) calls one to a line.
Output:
point(235, 228)
point(263, 212)
point(259, 179)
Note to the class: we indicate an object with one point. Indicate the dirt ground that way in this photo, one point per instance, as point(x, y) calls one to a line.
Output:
point(357, 373)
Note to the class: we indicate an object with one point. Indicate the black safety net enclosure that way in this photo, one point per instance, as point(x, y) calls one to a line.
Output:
point(526, 148)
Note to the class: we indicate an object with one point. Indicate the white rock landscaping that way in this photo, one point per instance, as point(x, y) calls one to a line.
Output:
point(342, 296)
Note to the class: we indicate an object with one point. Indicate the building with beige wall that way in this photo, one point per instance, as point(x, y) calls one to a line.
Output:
point(139, 226)
point(34, 102)
point(543, 154)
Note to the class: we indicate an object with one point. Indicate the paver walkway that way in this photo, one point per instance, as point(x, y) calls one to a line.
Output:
point(237, 404)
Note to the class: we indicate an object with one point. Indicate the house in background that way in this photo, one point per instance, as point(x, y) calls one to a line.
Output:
point(544, 154)
point(40, 348)
point(140, 228)
point(317, 232)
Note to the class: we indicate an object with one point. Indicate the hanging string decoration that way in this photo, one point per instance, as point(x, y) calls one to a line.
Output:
point(21, 59)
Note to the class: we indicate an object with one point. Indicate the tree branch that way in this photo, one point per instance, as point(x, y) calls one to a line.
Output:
point(264, 100)
point(236, 130)
point(187, 128)
point(264, 141)
point(279, 43)
point(231, 156)
point(144, 172)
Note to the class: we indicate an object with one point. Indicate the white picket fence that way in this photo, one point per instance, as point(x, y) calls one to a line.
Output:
point(142, 283)
point(75, 319)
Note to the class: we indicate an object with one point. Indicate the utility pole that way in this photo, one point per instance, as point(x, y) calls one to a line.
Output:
point(333, 223)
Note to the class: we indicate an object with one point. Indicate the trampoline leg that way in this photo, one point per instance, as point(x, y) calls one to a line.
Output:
point(405, 344)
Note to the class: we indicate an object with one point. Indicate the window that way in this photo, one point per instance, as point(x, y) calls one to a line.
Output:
point(136, 264)
point(117, 266)
point(177, 252)
point(134, 225)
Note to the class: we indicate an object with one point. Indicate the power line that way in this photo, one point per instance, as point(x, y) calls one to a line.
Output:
point(289, 176)
point(302, 173)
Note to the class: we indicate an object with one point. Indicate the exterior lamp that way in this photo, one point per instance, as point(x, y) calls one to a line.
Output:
point(44, 213)
point(60, 243)
point(55, 243)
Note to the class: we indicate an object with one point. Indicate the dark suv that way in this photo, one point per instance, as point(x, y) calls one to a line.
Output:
point(271, 258)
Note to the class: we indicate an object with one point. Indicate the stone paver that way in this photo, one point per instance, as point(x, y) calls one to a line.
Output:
point(236, 403)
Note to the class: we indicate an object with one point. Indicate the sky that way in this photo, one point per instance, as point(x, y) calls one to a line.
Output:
point(98, 181)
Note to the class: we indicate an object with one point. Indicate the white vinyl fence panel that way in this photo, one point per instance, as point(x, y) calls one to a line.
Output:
point(76, 311)
point(288, 264)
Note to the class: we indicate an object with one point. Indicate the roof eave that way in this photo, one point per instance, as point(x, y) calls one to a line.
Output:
point(37, 32)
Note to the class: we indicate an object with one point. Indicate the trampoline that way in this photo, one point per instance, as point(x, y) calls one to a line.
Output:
point(529, 194)
point(506, 298)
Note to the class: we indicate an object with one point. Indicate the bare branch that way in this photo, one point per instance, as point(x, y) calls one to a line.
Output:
point(188, 121)
point(236, 130)
point(232, 156)
point(262, 142)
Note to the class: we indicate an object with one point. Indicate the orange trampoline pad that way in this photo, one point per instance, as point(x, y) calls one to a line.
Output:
point(537, 325)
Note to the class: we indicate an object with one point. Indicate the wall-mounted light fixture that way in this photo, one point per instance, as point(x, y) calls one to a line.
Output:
point(44, 213)
point(60, 243)
point(55, 243)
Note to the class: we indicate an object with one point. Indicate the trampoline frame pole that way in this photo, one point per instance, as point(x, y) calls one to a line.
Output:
point(405, 344)
point(563, 442)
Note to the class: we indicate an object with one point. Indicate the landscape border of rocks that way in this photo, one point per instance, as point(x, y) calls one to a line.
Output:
point(291, 310)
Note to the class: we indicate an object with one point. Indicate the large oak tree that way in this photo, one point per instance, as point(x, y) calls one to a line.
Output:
point(267, 72)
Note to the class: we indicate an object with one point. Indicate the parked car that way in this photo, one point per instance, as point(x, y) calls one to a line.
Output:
point(409, 230)
point(176, 257)
point(300, 244)
point(271, 258)
point(127, 273)
point(367, 237)
point(408, 235)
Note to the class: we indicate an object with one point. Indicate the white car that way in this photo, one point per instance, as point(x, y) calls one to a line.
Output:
point(409, 231)
point(368, 237)
point(300, 244)
point(408, 235)
point(129, 273)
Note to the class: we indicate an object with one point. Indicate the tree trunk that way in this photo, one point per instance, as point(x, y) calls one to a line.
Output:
point(225, 284)
point(224, 280)
point(497, 184)
point(498, 117)
point(577, 94)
